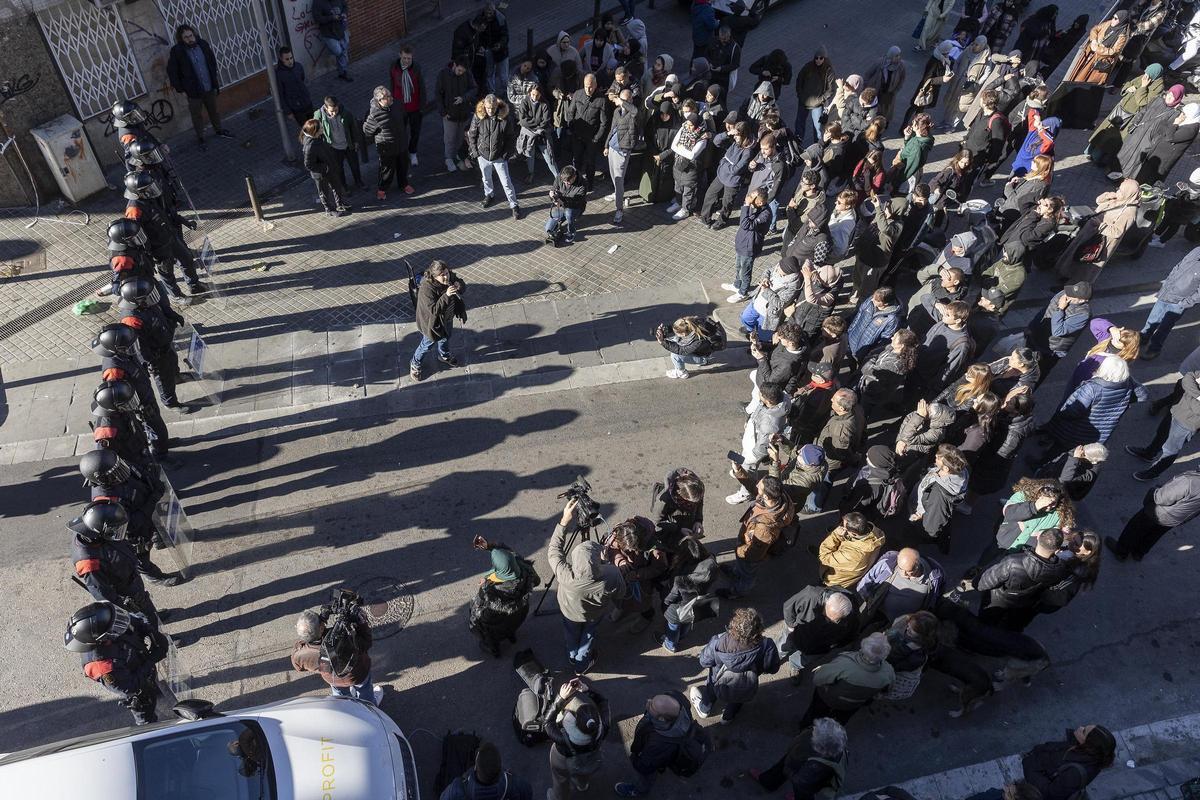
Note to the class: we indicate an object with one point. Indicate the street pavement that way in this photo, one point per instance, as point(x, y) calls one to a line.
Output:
point(323, 467)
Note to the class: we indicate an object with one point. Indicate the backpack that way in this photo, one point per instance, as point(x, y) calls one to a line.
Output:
point(1075, 766)
point(534, 700)
point(458, 756)
point(713, 332)
point(692, 752)
point(893, 498)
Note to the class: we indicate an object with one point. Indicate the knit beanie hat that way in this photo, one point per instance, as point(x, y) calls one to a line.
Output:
point(487, 764)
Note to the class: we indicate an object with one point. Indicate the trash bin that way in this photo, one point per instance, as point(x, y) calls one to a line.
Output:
point(70, 157)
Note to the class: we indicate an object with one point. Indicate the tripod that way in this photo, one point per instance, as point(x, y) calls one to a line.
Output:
point(583, 530)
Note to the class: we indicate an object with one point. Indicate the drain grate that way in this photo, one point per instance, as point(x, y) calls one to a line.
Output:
point(51, 307)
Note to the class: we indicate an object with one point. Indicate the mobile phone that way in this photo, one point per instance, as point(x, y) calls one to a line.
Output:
point(735, 457)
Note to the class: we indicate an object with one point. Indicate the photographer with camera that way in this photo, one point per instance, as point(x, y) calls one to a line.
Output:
point(502, 602)
point(334, 642)
point(577, 725)
point(439, 302)
point(587, 589)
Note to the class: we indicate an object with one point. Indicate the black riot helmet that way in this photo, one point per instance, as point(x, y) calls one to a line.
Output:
point(115, 339)
point(145, 151)
point(125, 233)
point(141, 186)
point(101, 519)
point(140, 292)
point(96, 623)
point(115, 396)
point(103, 468)
point(127, 112)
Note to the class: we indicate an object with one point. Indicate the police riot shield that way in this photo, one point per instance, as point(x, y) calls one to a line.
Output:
point(207, 261)
point(197, 358)
point(174, 530)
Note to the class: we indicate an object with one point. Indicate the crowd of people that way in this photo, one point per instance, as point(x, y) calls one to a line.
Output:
point(899, 408)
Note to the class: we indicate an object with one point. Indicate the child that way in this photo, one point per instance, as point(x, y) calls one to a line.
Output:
point(570, 197)
point(752, 229)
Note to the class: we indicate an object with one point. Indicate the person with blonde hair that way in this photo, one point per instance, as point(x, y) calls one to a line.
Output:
point(1125, 343)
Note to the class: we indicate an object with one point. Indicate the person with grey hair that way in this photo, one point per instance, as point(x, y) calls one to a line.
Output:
point(1092, 411)
point(817, 619)
point(815, 762)
point(850, 681)
point(1077, 470)
point(387, 127)
point(355, 680)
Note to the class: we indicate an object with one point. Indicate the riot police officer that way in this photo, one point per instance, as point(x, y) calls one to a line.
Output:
point(145, 154)
point(119, 651)
point(129, 254)
point(145, 311)
point(162, 231)
point(116, 425)
point(116, 344)
point(105, 563)
point(113, 478)
point(130, 121)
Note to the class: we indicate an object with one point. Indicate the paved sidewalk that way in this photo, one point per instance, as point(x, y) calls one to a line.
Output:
point(1152, 762)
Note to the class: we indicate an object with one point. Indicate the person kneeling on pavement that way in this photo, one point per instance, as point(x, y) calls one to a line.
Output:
point(815, 762)
point(577, 725)
point(692, 341)
point(569, 198)
point(355, 680)
point(690, 598)
point(735, 659)
point(488, 780)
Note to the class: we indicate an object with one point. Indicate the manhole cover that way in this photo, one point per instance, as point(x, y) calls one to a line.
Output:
point(388, 605)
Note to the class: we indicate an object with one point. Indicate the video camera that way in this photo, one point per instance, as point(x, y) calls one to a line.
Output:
point(339, 646)
point(587, 510)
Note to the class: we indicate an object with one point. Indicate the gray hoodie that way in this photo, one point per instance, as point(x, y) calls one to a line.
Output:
point(585, 586)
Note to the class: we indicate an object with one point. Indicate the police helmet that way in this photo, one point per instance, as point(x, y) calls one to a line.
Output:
point(126, 233)
point(145, 151)
point(141, 186)
point(140, 292)
point(104, 519)
point(96, 623)
point(113, 396)
point(127, 112)
point(115, 339)
point(103, 468)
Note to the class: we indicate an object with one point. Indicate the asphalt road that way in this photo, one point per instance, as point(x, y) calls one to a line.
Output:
point(288, 513)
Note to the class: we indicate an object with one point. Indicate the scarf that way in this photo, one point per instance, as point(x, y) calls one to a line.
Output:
point(406, 86)
point(506, 565)
point(1117, 30)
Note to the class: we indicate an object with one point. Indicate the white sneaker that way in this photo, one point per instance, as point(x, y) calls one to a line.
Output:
point(682, 374)
point(1157, 242)
point(738, 497)
point(465, 164)
point(412, 159)
point(617, 217)
point(729, 287)
point(1115, 176)
point(671, 209)
point(682, 213)
point(377, 692)
point(737, 297)
point(694, 697)
point(451, 166)
point(612, 198)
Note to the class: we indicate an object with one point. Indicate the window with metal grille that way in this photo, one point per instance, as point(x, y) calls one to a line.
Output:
point(93, 54)
point(228, 27)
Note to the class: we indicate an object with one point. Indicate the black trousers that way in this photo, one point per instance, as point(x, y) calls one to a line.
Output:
point(414, 130)
point(330, 190)
point(392, 165)
point(164, 367)
point(583, 158)
point(818, 708)
point(718, 194)
point(344, 157)
point(1140, 534)
point(165, 259)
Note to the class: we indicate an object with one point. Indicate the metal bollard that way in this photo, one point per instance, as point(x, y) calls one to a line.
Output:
point(252, 190)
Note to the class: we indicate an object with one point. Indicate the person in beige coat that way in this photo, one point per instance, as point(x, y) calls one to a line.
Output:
point(849, 550)
point(1101, 54)
point(1116, 213)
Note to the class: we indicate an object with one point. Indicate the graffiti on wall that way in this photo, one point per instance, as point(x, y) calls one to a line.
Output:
point(158, 114)
point(15, 87)
point(302, 31)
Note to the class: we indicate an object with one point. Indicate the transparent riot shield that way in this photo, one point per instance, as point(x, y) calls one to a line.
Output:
point(197, 358)
point(174, 530)
point(207, 260)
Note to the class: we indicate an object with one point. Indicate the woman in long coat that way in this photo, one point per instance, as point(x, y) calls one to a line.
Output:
point(1169, 143)
point(969, 74)
point(1101, 54)
point(502, 601)
point(1140, 130)
point(939, 69)
point(1106, 140)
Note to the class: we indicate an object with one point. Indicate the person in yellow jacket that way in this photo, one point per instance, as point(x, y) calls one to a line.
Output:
point(849, 550)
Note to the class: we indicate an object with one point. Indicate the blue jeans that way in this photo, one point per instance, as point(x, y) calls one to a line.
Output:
point(808, 124)
point(359, 691)
point(678, 361)
point(557, 214)
point(745, 268)
point(743, 575)
point(547, 156)
point(816, 498)
point(753, 322)
point(339, 49)
point(675, 632)
point(774, 205)
point(1168, 441)
point(501, 167)
point(443, 349)
point(1162, 319)
point(579, 637)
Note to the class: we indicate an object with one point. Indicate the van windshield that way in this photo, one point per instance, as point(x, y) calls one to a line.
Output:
point(231, 761)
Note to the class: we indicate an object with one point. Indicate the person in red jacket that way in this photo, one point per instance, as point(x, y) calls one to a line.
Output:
point(408, 90)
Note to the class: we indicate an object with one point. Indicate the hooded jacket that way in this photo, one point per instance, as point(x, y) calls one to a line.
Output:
point(936, 498)
point(1181, 287)
point(1018, 579)
point(845, 557)
point(292, 90)
point(732, 671)
point(924, 434)
point(882, 377)
point(1092, 411)
point(841, 438)
point(870, 484)
point(799, 479)
point(586, 588)
point(436, 309)
point(849, 681)
point(492, 138)
point(656, 742)
point(699, 581)
point(811, 631)
point(761, 528)
point(1177, 501)
point(386, 127)
point(871, 326)
point(816, 83)
point(317, 156)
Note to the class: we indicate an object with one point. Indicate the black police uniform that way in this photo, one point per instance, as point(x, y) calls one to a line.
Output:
point(109, 570)
point(125, 667)
point(142, 264)
point(166, 244)
point(139, 495)
point(123, 433)
point(118, 367)
point(156, 337)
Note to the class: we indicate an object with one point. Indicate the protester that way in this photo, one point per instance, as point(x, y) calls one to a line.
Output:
point(502, 602)
point(323, 168)
point(345, 137)
point(387, 127)
point(192, 71)
point(487, 777)
point(1165, 507)
point(293, 89)
point(817, 619)
point(666, 737)
point(577, 724)
point(735, 660)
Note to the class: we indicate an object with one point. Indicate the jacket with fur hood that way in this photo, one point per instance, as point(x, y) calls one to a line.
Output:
point(761, 528)
point(586, 588)
point(493, 137)
point(845, 556)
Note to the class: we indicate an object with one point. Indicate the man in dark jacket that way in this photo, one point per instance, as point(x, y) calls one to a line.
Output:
point(1053, 334)
point(818, 619)
point(491, 141)
point(487, 779)
point(387, 127)
point(1012, 586)
point(658, 740)
point(1175, 503)
point(947, 350)
point(815, 86)
point(783, 365)
point(192, 70)
point(467, 48)
point(1175, 431)
point(984, 322)
point(987, 137)
point(333, 29)
point(342, 132)
point(494, 40)
point(1180, 291)
point(293, 92)
point(585, 118)
point(732, 171)
point(626, 130)
point(455, 93)
point(724, 59)
point(439, 301)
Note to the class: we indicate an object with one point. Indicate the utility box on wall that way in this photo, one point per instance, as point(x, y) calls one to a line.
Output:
point(70, 157)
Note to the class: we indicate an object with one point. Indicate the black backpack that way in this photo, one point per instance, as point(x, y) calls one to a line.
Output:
point(713, 332)
point(692, 752)
point(458, 756)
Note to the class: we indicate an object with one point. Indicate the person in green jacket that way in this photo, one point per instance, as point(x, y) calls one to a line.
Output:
point(918, 141)
point(1105, 142)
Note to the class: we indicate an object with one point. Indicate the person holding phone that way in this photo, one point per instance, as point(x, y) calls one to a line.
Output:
point(502, 601)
